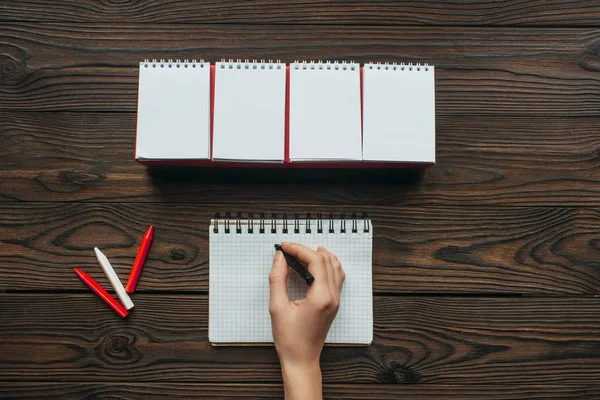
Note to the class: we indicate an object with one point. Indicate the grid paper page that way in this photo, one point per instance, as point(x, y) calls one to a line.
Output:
point(239, 281)
point(173, 111)
point(249, 111)
point(325, 111)
point(398, 113)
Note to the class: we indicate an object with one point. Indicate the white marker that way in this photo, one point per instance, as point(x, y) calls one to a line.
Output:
point(114, 279)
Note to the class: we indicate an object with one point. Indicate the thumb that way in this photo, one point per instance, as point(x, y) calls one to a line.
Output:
point(278, 282)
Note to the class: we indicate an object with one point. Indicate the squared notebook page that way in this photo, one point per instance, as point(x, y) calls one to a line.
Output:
point(173, 120)
point(249, 111)
point(325, 112)
point(399, 113)
point(239, 266)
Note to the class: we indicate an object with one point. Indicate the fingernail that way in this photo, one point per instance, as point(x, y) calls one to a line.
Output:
point(278, 259)
point(321, 248)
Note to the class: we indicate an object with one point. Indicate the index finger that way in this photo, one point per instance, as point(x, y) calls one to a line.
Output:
point(311, 259)
point(301, 252)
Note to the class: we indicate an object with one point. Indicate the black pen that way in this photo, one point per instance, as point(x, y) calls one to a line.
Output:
point(296, 266)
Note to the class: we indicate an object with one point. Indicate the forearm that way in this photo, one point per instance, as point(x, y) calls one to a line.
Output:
point(302, 383)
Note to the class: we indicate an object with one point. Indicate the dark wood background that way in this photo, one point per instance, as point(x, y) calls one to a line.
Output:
point(486, 266)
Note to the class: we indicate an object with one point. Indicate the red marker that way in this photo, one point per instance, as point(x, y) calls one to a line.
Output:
point(138, 264)
point(104, 295)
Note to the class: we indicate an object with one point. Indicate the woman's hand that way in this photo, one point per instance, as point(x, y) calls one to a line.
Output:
point(300, 327)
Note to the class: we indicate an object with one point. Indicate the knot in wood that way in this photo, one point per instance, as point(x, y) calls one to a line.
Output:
point(118, 349)
point(397, 373)
point(119, 2)
point(78, 177)
point(591, 60)
point(177, 254)
point(117, 344)
point(11, 71)
point(69, 181)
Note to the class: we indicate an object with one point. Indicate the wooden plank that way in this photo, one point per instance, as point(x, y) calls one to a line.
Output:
point(529, 251)
point(426, 12)
point(481, 161)
point(441, 340)
point(152, 390)
point(493, 71)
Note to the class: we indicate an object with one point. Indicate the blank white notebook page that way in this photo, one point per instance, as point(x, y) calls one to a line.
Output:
point(239, 282)
point(325, 113)
point(249, 111)
point(173, 111)
point(398, 113)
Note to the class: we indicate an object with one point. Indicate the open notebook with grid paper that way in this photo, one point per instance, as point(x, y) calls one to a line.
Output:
point(241, 255)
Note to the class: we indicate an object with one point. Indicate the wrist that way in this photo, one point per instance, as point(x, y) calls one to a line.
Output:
point(302, 381)
point(290, 368)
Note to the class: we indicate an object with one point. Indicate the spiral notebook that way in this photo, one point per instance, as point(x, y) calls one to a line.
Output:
point(249, 116)
point(173, 120)
point(325, 112)
point(398, 113)
point(241, 255)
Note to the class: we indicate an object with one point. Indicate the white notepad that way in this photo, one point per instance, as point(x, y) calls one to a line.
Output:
point(173, 110)
point(325, 111)
point(399, 113)
point(239, 278)
point(249, 116)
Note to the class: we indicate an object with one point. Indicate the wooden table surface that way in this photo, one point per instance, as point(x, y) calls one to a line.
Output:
point(486, 267)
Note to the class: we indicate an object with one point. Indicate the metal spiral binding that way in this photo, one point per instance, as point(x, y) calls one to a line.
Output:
point(285, 223)
point(277, 64)
point(251, 223)
point(249, 64)
point(399, 66)
point(297, 224)
point(319, 223)
point(261, 223)
point(225, 223)
point(331, 229)
point(325, 65)
point(238, 223)
point(169, 63)
point(216, 226)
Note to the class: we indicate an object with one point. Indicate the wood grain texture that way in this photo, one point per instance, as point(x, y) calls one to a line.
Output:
point(426, 12)
point(493, 71)
point(416, 340)
point(175, 390)
point(512, 208)
point(482, 160)
point(550, 251)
